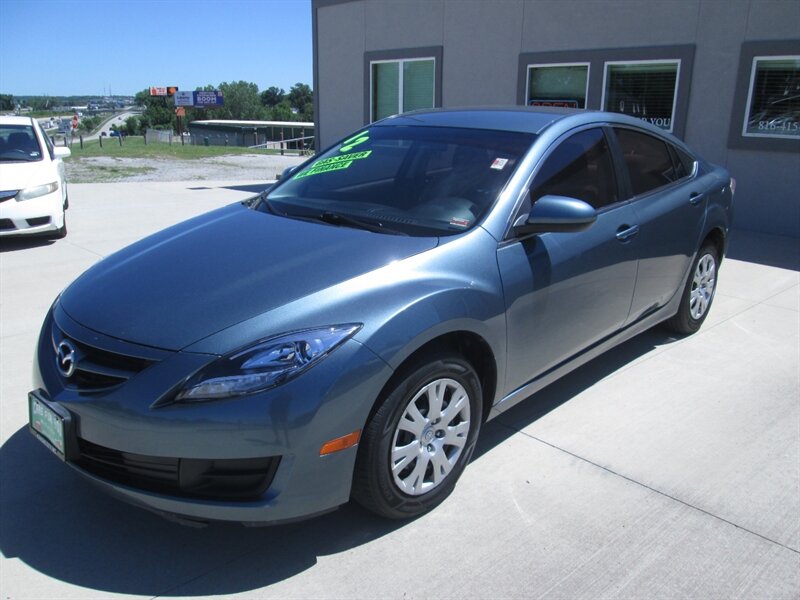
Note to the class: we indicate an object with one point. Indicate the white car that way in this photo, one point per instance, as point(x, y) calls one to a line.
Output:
point(33, 185)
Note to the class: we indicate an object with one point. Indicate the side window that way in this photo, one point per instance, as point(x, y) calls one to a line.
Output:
point(648, 160)
point(47, 141)
point(580, 167)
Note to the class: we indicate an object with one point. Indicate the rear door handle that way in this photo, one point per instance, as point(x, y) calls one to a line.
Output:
point(696, 197)
point(627, 232)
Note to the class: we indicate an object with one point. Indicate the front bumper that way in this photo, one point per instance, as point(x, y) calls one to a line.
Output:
point(30, 217)
point(289, 424)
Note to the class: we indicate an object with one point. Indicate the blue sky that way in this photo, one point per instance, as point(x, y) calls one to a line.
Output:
point(70, 47)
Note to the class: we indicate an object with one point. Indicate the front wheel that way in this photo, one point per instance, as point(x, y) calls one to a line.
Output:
point(419, 440)
point(698, 293)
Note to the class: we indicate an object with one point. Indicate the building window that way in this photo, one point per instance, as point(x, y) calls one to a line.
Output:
point(773, 99)
point(562, 85)
point(644, 89)
point(399, 86)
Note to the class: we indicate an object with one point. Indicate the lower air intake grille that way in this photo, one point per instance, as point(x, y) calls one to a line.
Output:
point(214, 479)
point(6, 224)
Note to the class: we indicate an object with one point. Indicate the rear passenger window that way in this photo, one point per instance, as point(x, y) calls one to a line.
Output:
point(580, 167)
point(648, 160)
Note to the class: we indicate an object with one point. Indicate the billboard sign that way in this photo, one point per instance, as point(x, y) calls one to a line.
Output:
point(199, 99)
point(184, 98)
point(158, 91)
point(208, 99)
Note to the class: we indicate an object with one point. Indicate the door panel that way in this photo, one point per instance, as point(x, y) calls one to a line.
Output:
point(565, 291)
point(670, 228)
point(669, 209)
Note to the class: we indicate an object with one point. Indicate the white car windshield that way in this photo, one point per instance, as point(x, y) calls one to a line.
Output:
point(18, 143)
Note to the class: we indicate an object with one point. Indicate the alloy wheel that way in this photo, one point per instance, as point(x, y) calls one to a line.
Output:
point(702, 286)
point(430, 436)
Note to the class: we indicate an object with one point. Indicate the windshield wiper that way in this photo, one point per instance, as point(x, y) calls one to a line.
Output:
point(261, 200)
point(340, 219)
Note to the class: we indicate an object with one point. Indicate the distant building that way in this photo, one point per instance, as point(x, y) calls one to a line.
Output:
point(295, 135)
point(724, 76)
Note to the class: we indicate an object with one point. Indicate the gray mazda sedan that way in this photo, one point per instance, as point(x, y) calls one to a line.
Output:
point(346, 333)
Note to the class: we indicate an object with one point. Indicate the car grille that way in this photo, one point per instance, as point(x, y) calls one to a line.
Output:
point(7, 195)
point(96, 369)
point(37, 221)
point(217, 479)
point(6, 224)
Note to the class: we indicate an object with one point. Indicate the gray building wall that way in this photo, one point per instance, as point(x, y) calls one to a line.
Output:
point(482, 41)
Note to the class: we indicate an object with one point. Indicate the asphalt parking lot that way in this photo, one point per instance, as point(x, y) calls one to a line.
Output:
point(666, 468)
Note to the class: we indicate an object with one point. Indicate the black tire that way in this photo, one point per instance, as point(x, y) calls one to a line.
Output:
point(374, 485)
point(688, 319)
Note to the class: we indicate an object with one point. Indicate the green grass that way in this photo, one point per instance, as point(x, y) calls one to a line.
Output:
point(134, 147)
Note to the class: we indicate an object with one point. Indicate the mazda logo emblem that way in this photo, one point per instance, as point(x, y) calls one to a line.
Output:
point(65, 358)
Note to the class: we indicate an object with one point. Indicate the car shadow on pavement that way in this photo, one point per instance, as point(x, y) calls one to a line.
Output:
point(58, 524)
point(559, 392)
point(763, 249)
point(13, 244)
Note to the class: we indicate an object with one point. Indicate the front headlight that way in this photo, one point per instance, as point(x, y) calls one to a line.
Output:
point(265, 364)
point(39, 190)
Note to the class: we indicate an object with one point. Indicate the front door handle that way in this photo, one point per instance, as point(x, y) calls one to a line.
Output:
point(627, 232)
point(695, 198)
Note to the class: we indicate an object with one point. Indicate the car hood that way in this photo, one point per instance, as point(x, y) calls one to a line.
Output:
point(206, 274)
point(19, 175)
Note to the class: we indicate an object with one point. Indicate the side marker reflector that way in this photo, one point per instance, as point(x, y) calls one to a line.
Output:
point(341, 443)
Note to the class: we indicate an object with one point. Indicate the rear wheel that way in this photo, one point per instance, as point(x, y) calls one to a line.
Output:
point(419, 440)
point(698, 293)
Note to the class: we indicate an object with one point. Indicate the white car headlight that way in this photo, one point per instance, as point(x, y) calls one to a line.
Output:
point(36, 191)
point(266, 364)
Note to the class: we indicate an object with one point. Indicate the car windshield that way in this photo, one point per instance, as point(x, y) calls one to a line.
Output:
point(19, 143)
point(419, 181)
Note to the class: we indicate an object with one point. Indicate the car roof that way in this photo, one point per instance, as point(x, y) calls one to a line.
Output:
point(513, 118)
point(15, 120)
point(527, 119)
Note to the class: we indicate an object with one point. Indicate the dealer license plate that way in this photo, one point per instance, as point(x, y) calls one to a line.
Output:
point(46, 424)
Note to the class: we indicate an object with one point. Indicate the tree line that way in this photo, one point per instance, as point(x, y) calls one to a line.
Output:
point(242, 102)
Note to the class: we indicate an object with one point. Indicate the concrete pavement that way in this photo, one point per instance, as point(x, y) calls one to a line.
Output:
point(666, 468)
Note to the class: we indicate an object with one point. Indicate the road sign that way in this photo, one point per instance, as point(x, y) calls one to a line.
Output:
point(180, 111)
point(74, 121)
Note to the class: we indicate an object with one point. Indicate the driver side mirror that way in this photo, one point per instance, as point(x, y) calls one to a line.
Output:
point(286, 173)
point(556, 214)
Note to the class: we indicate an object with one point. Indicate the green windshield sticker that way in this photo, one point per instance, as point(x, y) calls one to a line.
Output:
point(350, 143)
point(334, 163)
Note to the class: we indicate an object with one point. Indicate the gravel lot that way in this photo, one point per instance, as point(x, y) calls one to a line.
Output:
point(240, 167)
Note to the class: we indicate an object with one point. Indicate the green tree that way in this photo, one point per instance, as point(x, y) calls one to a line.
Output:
point(282, 112)
point(299, 95)
point(132, 126)
point(159, 111)
point(7, 102)
point(272, 96)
